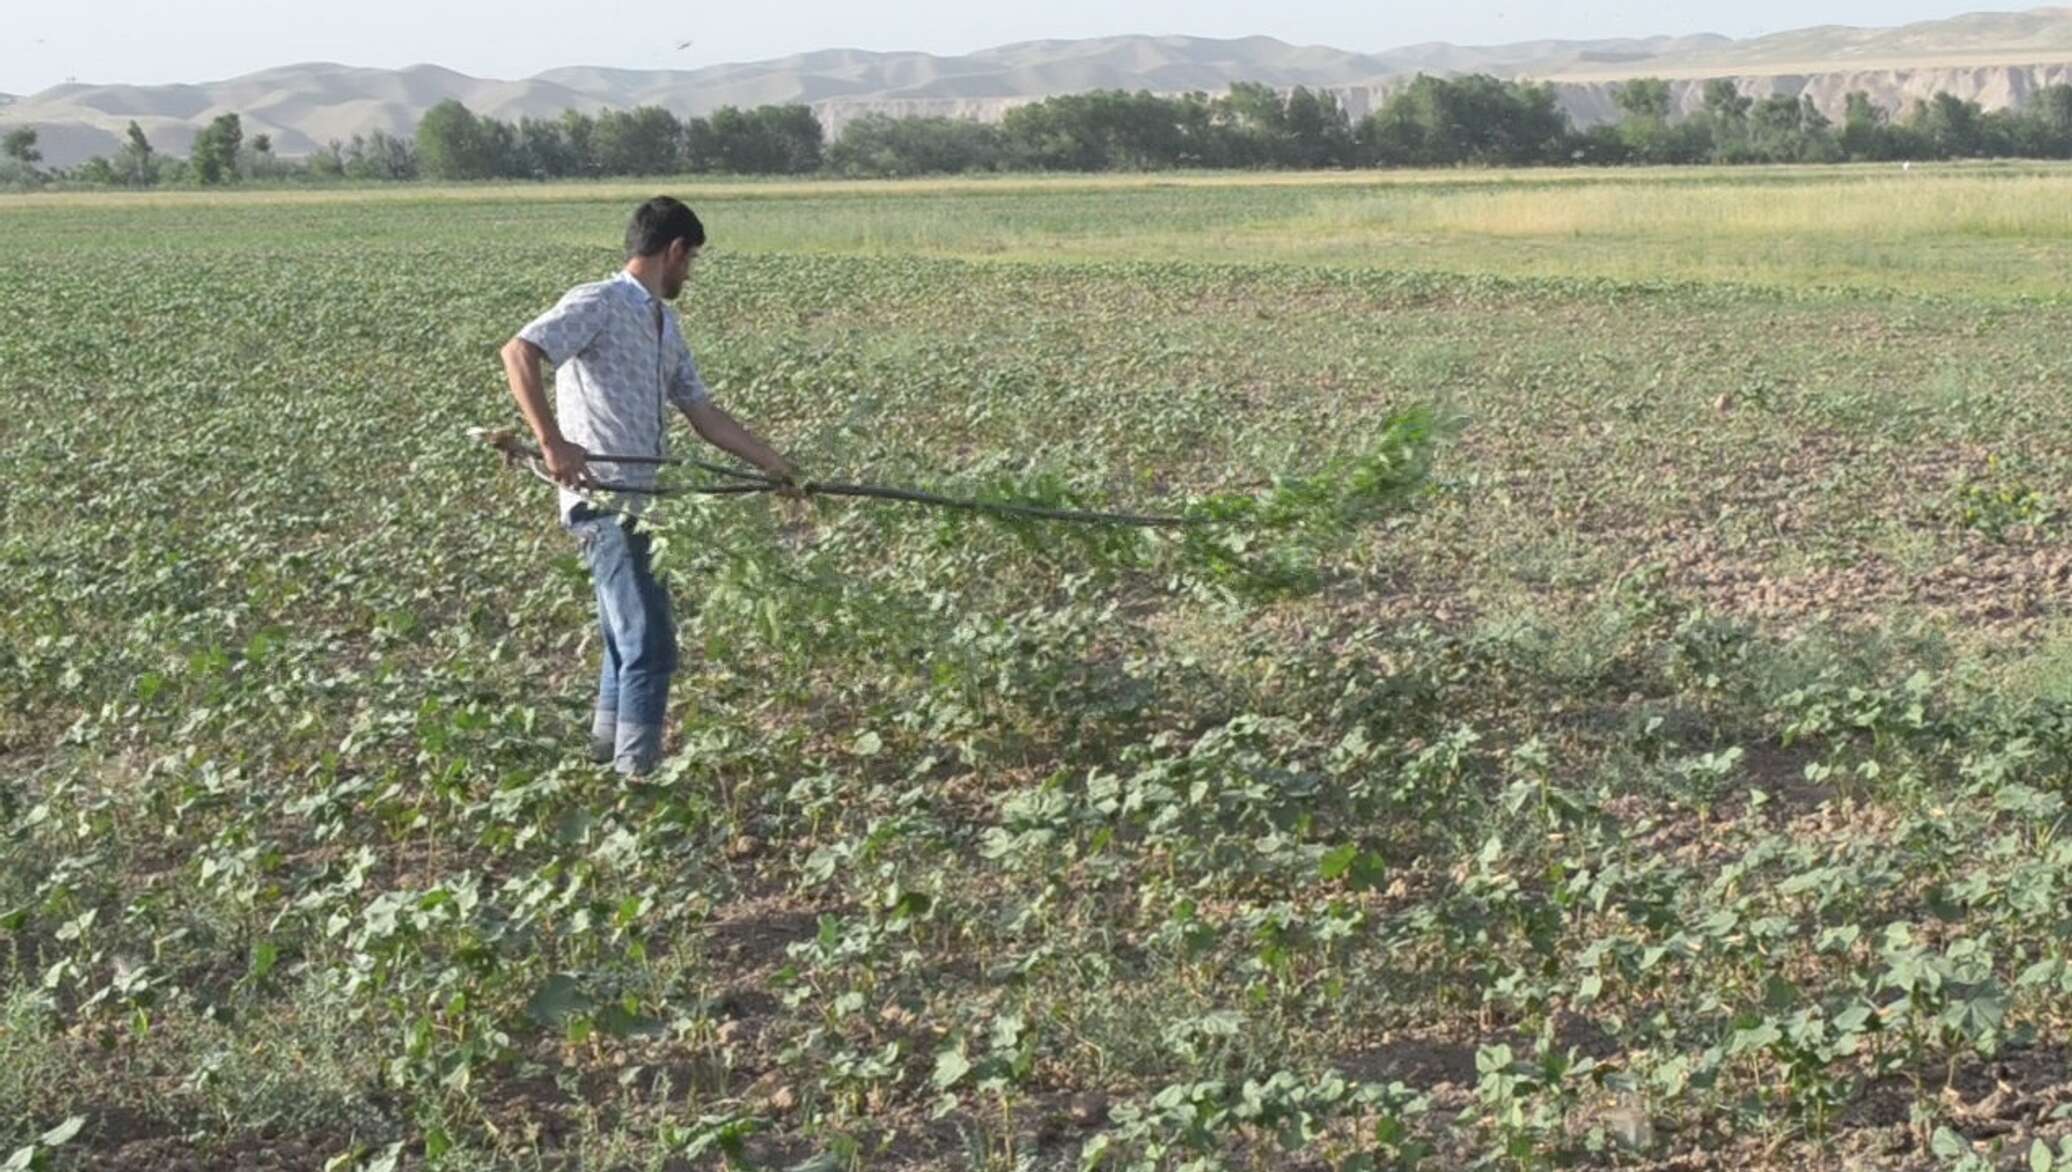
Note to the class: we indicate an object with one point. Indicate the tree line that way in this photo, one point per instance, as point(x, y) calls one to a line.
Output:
point(220, 154)
point(1431, 122)
point(1445, 122)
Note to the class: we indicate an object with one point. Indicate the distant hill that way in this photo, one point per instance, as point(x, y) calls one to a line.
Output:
point(1997, 59)
point(301, 106)
point(2037, 37)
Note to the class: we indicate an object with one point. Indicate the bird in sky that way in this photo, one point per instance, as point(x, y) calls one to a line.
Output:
point(682, 45)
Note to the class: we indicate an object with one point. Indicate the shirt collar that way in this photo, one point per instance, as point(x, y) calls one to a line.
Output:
point(632, 282)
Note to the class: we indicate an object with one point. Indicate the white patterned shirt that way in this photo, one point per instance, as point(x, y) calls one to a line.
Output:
point(620, 360)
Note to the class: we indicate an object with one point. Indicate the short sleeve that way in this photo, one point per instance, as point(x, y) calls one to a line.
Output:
point(688, 389)
point(567, 329)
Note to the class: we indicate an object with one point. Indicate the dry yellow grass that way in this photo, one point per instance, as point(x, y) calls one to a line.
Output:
point(1883, 205)
point(696, 187)
point(1947, 230)
point(733, 188)
point(1987, 230)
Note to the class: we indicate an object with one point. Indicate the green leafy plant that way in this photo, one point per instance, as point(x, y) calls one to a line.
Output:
point(2001, 500)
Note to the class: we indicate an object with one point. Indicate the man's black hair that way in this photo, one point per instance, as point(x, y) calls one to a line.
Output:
point(659, 223)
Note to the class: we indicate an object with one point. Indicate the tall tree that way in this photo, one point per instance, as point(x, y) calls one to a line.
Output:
point(544, 148)
point(1440, 121)
point(1863, 127)
point(451, 145)
point(329, 161)
point(1254, 122)
point(580, 131)
point(1049, 136)
point(502, 153)
point(97, 172)
point(1646, 131)
point(879, 144)
point(643, 141)
point(1644, 97)
point(768, 140)
point(2053, 107)
point(135, 164)
point(380, 155)
point(1322, 134)
point(1775, 120)
point(20, 145)
point(2049, 118)
point(1951, 125)
point(799, 136)
point(1726, 119)
point(700, 146)
point(1724, 101)
point(215, 150)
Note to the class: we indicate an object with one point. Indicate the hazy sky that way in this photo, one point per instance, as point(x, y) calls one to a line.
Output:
point(44, 42)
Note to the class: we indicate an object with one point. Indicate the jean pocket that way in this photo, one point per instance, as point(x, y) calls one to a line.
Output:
point(587, 532)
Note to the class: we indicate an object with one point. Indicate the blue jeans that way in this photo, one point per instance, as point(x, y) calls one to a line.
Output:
point(639, 639)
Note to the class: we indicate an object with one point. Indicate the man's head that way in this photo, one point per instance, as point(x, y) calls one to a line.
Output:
point(663, 239)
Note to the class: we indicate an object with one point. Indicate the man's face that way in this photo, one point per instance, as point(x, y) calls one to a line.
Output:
point(678, 271)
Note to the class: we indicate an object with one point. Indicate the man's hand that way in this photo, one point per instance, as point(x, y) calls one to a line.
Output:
point(566, 462)
point(789, 485)
point(720, 429)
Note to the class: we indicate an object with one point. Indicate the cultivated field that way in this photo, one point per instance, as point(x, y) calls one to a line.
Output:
point(1679, 782)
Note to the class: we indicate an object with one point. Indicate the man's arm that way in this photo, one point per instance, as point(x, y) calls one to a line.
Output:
point(722, 431)
point(565, 461)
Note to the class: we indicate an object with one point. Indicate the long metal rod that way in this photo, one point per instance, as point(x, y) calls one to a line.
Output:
point(1034, 512)
point(516, 450)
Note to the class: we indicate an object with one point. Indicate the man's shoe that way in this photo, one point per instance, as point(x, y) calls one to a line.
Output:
point(638, 749)
point(604, 737)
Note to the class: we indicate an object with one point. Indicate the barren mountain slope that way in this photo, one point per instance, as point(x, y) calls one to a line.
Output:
point(1997, 59)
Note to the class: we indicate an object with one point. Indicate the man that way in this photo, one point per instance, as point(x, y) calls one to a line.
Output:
point(621, 361)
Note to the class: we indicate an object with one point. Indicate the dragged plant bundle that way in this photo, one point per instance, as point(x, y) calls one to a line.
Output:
point(1263, 542)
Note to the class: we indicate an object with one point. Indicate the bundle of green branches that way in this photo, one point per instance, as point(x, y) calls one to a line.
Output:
point(1275, 541)
point(1267, 542)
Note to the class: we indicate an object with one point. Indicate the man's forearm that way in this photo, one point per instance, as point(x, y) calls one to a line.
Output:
point(566, 462)
point(724, 432)
point(522, 369)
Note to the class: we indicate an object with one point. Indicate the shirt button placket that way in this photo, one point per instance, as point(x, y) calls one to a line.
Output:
point(661, 387)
